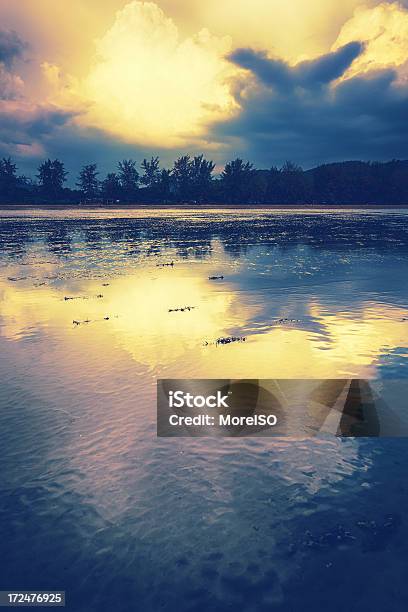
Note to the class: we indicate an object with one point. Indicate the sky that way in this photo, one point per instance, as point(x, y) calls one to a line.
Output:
point(312, 81)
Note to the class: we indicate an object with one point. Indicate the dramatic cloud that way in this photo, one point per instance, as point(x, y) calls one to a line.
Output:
point(11, 85)
point(292, 29)
point(25, 126)
point(308, 74)
point(147, 85)
point(311, 114)
point(308, 80)
point(384, 31)
point(11, 47)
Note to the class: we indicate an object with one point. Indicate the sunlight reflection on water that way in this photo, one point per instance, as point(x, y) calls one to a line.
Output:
point(85, 330)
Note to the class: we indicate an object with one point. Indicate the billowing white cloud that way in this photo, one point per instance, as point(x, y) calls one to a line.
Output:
point(147, 85)
point(291, 29)
point(384, 31)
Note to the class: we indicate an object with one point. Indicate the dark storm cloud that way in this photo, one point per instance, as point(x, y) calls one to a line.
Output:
point(11, 47)
point(328, 67)
point(23, 126)
point(302, 113)
point(277, 73)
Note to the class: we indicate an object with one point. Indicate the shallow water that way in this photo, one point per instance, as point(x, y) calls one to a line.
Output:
point(92, 502)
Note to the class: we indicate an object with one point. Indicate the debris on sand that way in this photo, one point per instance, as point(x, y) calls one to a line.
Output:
point(281, 321)
point(225, 340)
point(229, 339)
point(79, 322)
point(34, 262)
point(74, 297)
point(181, 309)
point(215, 278)
point(16, 278)
point(163, 265)
point(105, 284)
point(80, 297)
point(39, 284)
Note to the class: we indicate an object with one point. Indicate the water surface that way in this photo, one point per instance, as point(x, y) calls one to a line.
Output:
point(93, 502)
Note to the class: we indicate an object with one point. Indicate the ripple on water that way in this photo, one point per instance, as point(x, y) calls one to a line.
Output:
point(93, 502)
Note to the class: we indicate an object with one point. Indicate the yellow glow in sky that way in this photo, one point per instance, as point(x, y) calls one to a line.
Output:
point(154, 83)
point(384, 31)
point(149, 85)
point(155, 73)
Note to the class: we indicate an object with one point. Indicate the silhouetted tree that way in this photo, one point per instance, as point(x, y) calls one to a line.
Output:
point(8, 178)
point(164, 186)
point(398, 182)
point(88, 181)
point(273, 186)
point(51, 177)
point(151, 172)
point(258, 186)
point(111, 188)
point(129, 178)
point(181, 174)
point(191, 179)
point(236, 179)
point(201, 177)
point(293, 189)
point(151, 177)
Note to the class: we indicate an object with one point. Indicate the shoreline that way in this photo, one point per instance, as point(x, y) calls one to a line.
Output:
point(199, 207)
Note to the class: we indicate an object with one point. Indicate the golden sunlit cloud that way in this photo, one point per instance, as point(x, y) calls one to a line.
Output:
point(146, 84)
point(155, 74)
point(384, 31)
point(292, 30)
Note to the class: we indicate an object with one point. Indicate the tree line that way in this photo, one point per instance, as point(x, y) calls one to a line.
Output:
point(192, 180)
